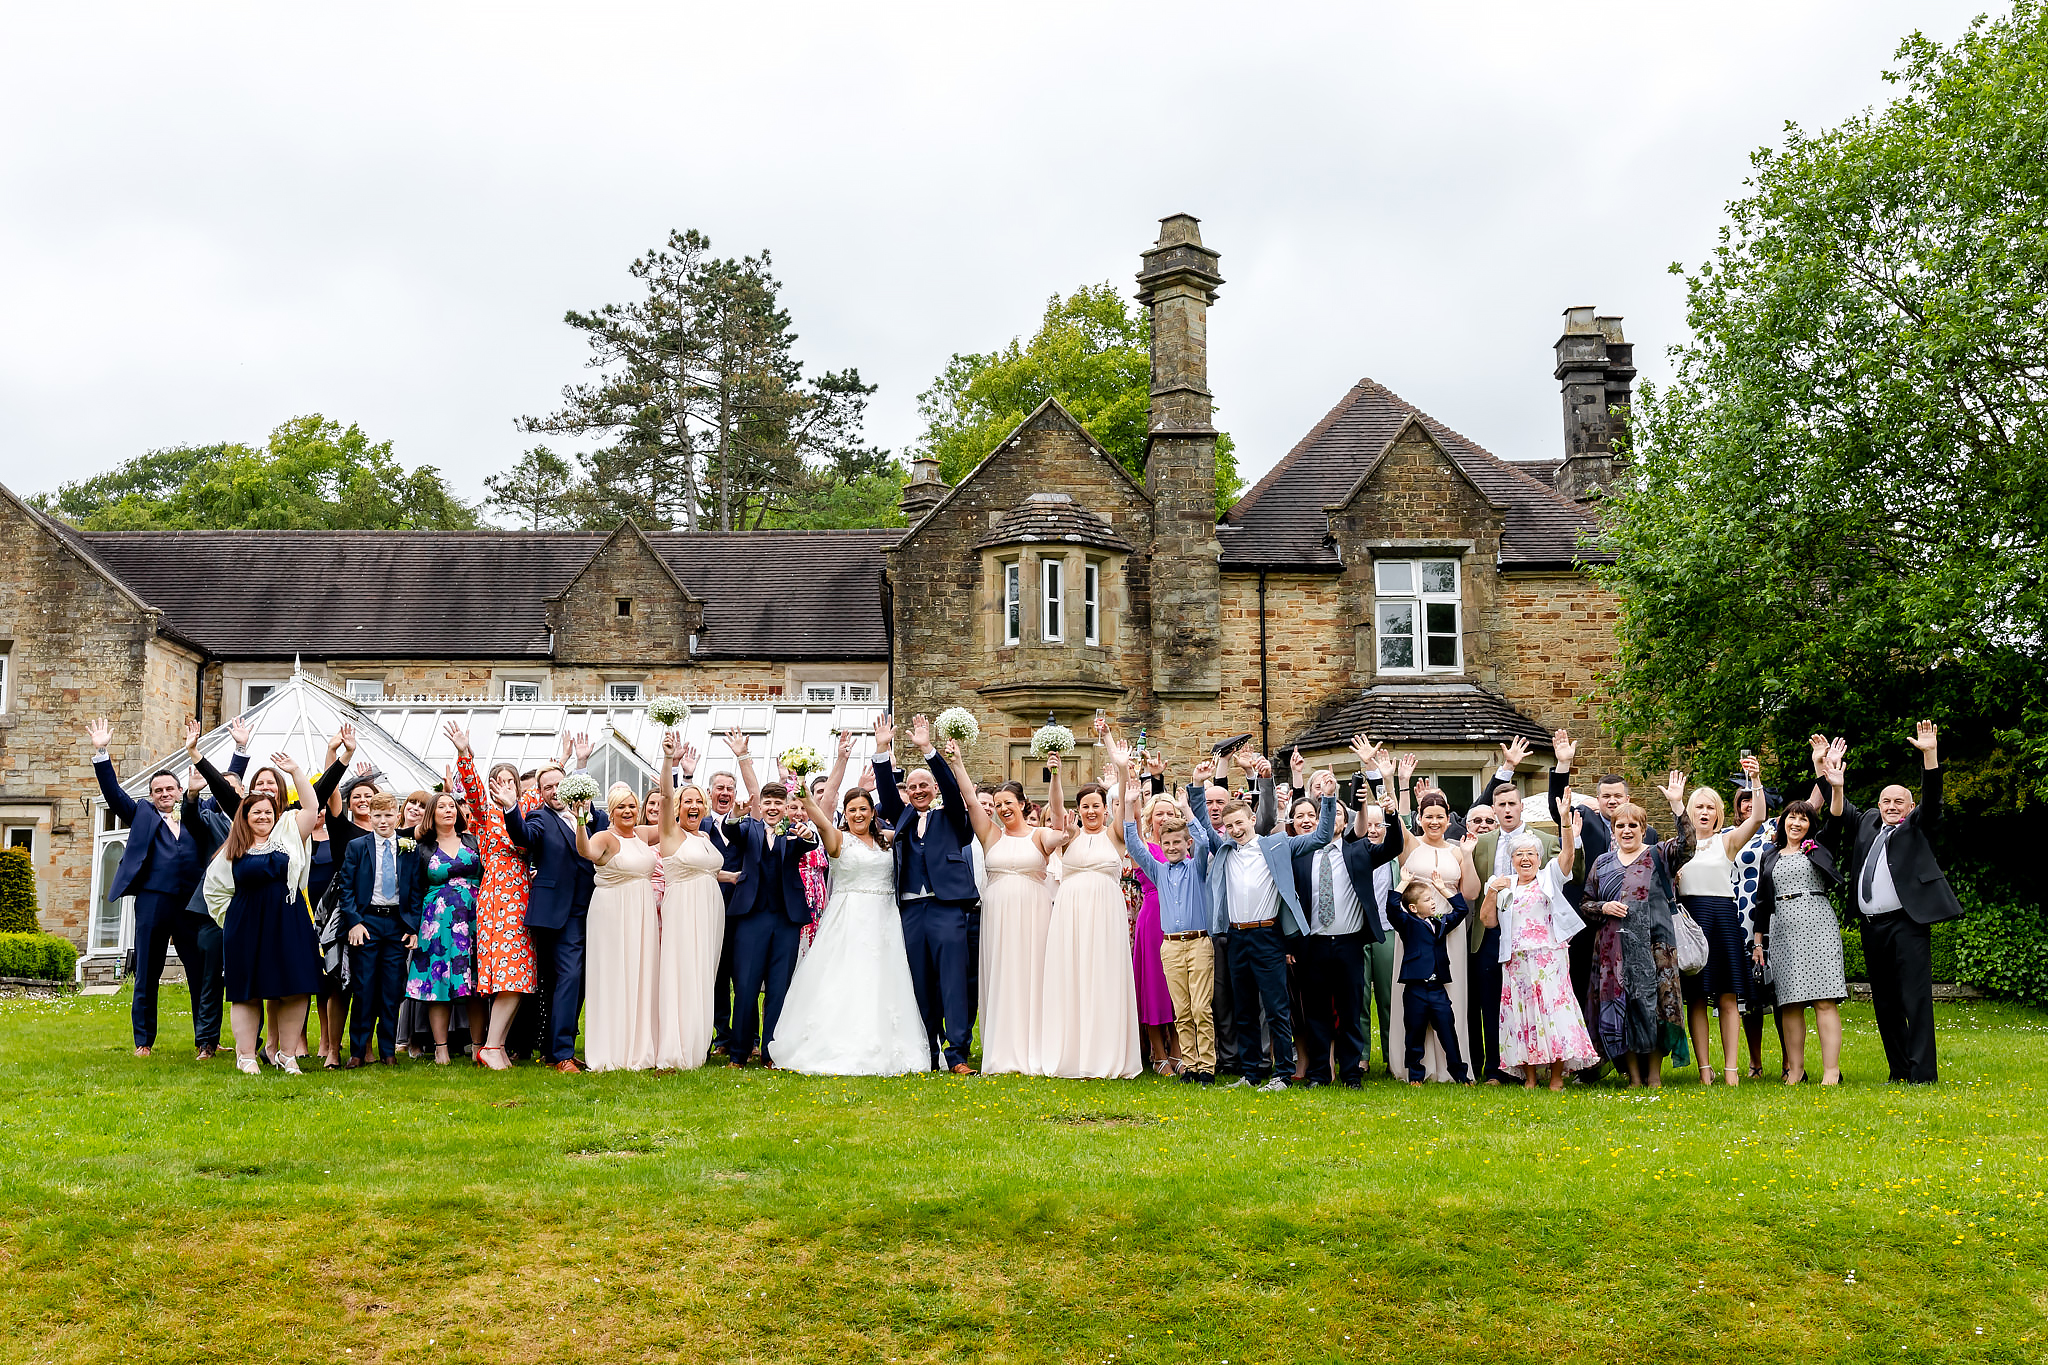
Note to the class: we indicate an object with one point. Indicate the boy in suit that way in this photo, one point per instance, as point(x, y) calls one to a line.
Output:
point(380, 920)
point(1186, 953)
point(1426, 938)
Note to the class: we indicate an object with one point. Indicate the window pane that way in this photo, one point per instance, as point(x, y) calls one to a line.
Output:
point(1439, 575)
point(821, 692)
point(1394, 575)
point(1397, 618)
point(1442, 617)
point(1443, 651)
point(1013, 607)
point(860, 691)
point(522, 691)
point(1054, 627)
point(1397, 634)
point(1397, 651)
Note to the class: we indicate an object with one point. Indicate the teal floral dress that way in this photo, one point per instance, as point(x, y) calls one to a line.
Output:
point(443, 964)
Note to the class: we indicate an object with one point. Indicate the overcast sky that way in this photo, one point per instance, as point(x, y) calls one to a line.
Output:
point(213, 218)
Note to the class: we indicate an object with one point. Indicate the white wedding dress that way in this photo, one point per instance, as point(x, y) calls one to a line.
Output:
point(850, 1010)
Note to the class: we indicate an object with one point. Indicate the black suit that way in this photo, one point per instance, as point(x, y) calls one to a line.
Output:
point(1330, 968)
point(938, 929)
point(1897, 947)
point(557, 906)
point(769, 925)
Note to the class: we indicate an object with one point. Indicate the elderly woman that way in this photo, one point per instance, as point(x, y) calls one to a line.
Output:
point(1798, 935)
point(1638, 1003)
point(1706, 888)
point(1541, 1024)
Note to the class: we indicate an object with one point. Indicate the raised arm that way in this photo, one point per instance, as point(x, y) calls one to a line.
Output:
point(1927, 812)
point(985, 829)
point(828, 833)
point(671, 835)
point(1743, 833)
point(1266, 818)
point(1568, 833)
point(101, 734)
point(1323, 832)
point(736, 740)
point(1054, 832)
point(1198, 800)
point(835, 780)
point(307, 814)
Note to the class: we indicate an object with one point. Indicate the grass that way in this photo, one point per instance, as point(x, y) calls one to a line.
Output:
point(168, 1210)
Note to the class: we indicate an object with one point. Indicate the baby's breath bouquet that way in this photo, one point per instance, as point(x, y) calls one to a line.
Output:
point(958, 723)
point(801, 761)
point(1050, 740)
point(577, 787)
point(667, 712)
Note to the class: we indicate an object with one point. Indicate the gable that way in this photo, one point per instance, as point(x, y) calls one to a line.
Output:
point(1414, 487)
point(625, 606)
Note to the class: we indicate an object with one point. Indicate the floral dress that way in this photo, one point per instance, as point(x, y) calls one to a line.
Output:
point(442, 966)
point(504, 947)
point(1540, 1018)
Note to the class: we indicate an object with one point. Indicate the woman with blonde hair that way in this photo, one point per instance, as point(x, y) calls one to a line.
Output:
point(692, 921)
point(1706, 888)
point(622, 939)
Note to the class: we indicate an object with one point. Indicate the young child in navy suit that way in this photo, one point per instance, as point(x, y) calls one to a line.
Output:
point(1425, 970)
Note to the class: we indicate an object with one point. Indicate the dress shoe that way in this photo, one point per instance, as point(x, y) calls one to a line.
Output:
point(1354, 1085)
point(570, 1067)
point(963, 1070)
point(352, 1064)
point(142, 1052)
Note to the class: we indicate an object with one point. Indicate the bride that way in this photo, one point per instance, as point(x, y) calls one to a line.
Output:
point(850, 1010)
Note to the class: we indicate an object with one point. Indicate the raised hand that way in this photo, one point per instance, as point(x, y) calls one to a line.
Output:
point(1819, 745)
point(195, 781)
point(365, 768)
point(1155, 762)
point(348, 736)
point(239, 730)
point(1366, 750)
point(1265, 768)
point(1407, 766)
point(1101, 726)
point(686, 761)
point(920, 732)
point(99, 733)
point(1835, 767)
point(885, 732)
point(1923, 739)
point(736, 740)
point(867, 778)
point(1837, 749)
point(1674, 789)
point(448, 781)
point(1513, 752)
point(333, 746)
point(1753, 769)
point(845, 744)
point(1118, 751)
point(191, 734)
point(1566, 749)
point(580, 743)
point(671, 744)
point(952, 749)
point(505, 791)
point(283, 761)
point(1204, 770)
point(457, 736)
point(1297, 768)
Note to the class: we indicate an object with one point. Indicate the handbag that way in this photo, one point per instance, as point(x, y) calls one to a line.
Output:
point(1692, 942)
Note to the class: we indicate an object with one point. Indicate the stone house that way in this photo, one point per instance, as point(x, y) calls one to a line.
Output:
point(1387, 575)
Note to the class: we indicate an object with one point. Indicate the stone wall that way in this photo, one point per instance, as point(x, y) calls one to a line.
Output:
point(625, 608)
point(1555, 643)
point(1308, 655)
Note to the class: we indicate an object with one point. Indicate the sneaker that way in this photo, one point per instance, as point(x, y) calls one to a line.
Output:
point(1204, 1078)
point(1190, 1077)
point(1272, 1087)
point(1238, 1083)
point(1354, 1085)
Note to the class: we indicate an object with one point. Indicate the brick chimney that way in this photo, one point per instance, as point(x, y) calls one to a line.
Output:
point(924, 490)
point(1595, 366)
point(1177, 282)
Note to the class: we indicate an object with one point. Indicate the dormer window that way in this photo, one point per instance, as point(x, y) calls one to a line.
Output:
point(1053, 620)
point(1416, 611)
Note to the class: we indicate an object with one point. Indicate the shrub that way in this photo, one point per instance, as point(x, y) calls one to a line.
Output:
point(44, 957)
point(2001, 944)
point(1941, 946)
point(1853, 966)
point(17, 892)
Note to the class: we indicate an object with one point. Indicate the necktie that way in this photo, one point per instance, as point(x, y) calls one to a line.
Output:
point(920, 823)
point(1326, 893)
point(387, 871)
point(1872, 858)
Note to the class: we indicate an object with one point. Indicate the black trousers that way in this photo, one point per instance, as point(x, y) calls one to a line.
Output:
point(162, 921)
point(1482, 1007)
point(1258, 976)
point(1331, 971)
point(1221, 1010)
point(559, 955)
point(722, 992)
point(763, 959)
point(1900, 955)
point(1425, 1006)
point(376, 970)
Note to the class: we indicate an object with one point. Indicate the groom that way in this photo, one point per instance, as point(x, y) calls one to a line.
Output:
point(557, 905)
point(934, 886)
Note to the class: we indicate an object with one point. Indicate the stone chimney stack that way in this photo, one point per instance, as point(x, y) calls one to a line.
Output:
point(924, 490)
point(1177, 282)
point(1596, 366)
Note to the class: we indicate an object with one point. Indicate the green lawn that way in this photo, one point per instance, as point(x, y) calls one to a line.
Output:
point(169, 1210)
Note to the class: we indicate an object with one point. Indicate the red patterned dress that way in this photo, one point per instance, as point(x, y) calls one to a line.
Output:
point(504, 948)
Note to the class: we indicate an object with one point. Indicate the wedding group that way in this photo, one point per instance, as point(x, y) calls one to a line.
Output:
point(1255, 936)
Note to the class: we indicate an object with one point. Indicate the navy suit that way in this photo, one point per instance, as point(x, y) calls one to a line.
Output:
point(768, 912)
point(735, 851)
point(937, 928)
point(377, 966)
point(557, 902)
point(162, 872)
point(1331, 967)
point(1425, 967)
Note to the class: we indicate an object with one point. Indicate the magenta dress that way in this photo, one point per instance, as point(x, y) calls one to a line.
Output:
point(1155, 1003)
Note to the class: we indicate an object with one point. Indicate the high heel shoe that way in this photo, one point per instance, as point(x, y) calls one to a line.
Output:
point(440, 1054)
point(1731, 1075)
point(1706, 1075)
point(483, 1058)
point(288, 1065)
point(248, 1066)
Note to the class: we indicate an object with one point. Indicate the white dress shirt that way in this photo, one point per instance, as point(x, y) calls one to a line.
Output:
point(1253, 896)
point(1350, 916)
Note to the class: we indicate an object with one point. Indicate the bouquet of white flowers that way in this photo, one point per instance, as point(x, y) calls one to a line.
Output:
point(801, 761)
point(667, 712)
point(958, 723)
point(1050, 740)
point(577, 787)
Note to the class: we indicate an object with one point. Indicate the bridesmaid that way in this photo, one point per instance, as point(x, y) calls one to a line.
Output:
point(442, 969)
point(252, 889)
point(1446, 867)
point(1088, 1025)
point(506, 971)
point(692, 922)
point(1016, 912)
point(622, 940)
point(1706, 888)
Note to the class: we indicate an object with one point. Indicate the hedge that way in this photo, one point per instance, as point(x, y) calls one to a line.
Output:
point(46, 957)
point(1942, 946)
point(17, 892)
point(2000, 946)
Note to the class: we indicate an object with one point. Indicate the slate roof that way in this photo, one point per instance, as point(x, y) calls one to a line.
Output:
point(1421, 713)
point(1052, 516)
point(1280, 522)
point(480, 594)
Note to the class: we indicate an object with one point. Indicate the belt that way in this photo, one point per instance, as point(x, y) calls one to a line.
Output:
point(1253, 923)
point(1195, 933)
point(1804, 895)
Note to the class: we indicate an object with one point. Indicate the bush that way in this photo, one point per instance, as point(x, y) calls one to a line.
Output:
point(17, 892)
point(44, 957)
point(1944, 946)
point(1853, 966)
point(2001, 944)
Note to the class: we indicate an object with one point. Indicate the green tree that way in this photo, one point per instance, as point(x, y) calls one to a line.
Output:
point(1093, 352)
point(17, 892)
point(540, 493)
point(1835, 518)
point(703, 408)
point(311, 474)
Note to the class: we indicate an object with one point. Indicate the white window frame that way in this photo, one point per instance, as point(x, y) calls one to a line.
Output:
point(365, 684)
point(522, 683)
point(1052, 602)
point(1013, 601)
point(6, 677)
point(1397, 583)
point(834, 693)
point(616, 693)
point(1091, 602)
point(269, 684)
